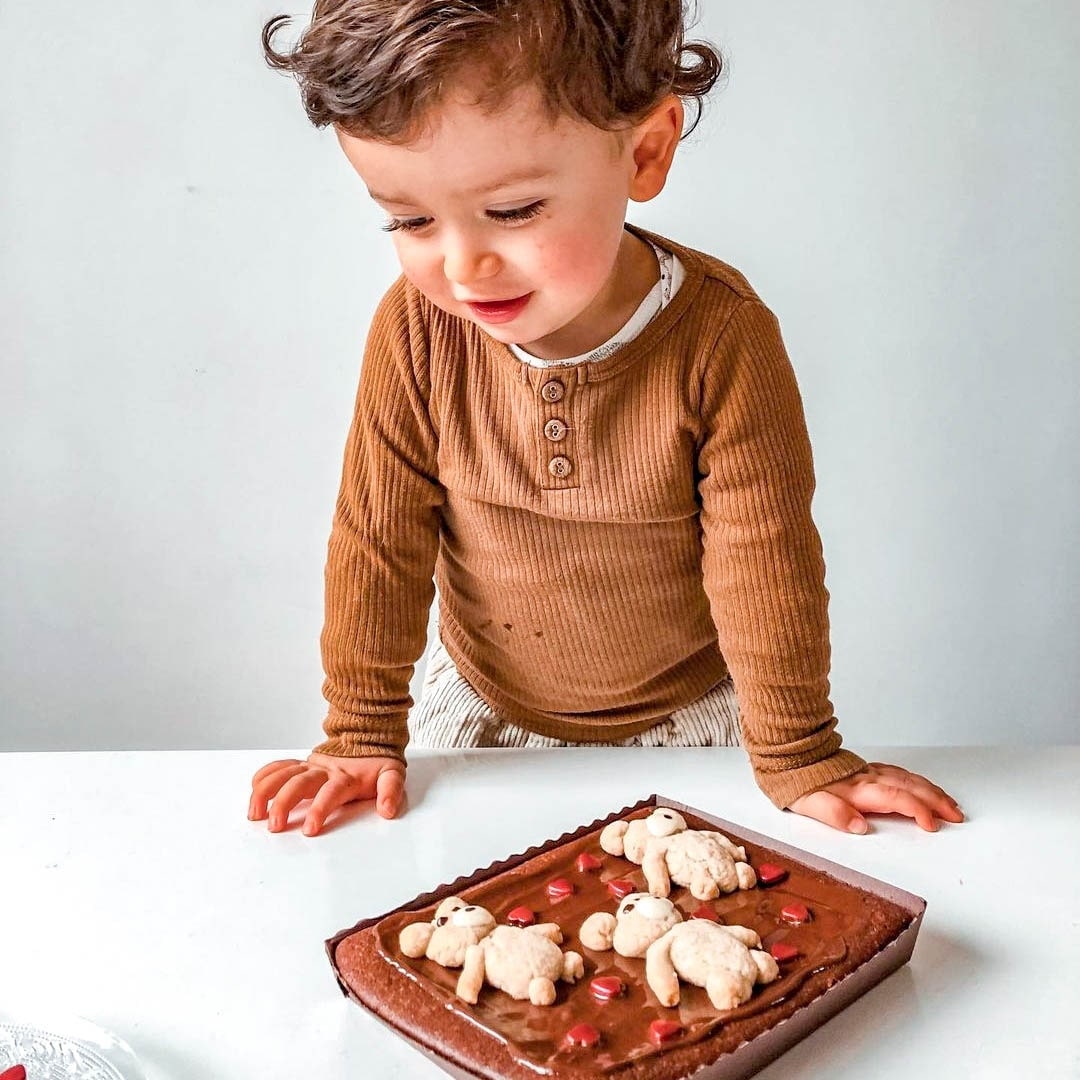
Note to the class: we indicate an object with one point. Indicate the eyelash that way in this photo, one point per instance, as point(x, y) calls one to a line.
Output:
point(518, 214)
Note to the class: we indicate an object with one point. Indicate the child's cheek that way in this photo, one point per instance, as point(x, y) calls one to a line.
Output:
point(576, 261)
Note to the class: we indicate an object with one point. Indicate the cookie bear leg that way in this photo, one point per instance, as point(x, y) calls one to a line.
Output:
point(768, 968)
point(573, 967)
point(541, 991)
point(703, 886)
point(726, 990)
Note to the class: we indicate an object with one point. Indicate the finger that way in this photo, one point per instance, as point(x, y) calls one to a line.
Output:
point(832, 810)
point(937, 798)
point(303, 786)
point(940, 802)
point(264, 789)
point(388, 791)
point(920, 785)
point(883, 798)
point(334, 793)
point(271, 767)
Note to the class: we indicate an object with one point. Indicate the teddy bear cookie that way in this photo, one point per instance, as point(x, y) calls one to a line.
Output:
point(639, 921)
point(727, 961)
point(706, 862)
point(455, 926)
point(524, 962)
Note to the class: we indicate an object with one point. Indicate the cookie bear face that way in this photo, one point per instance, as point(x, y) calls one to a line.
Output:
point(639, 920)
point(455, 926)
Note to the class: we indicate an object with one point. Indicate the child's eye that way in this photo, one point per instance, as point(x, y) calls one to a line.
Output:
point(518, 213)
point(406, 224)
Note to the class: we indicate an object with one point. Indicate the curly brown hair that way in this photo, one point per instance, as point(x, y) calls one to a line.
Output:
point(375, 68)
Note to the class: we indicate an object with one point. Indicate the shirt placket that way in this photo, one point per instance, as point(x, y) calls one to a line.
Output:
point(557, 446)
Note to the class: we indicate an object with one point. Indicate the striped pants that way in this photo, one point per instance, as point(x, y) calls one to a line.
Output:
point(450, 714)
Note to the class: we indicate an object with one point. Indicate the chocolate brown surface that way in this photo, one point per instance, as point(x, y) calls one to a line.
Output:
point(503, 1038)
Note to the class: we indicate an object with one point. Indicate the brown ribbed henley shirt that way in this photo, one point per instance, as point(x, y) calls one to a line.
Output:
point(608, 539)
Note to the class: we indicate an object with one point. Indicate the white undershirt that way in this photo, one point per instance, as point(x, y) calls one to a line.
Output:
point(672, 275)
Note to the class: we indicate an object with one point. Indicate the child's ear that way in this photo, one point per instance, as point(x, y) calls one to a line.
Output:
point(654, 141)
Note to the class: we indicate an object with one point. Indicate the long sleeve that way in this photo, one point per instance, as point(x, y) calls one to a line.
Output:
point(762, 559)
point(384, 540)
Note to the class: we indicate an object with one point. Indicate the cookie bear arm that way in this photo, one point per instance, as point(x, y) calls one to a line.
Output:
point(597, 931)
point(547, 930)
point(656, 869)
point(744, 934)
point(472, 974)
point(660, 972)
point(611, 837)
point(413, 939)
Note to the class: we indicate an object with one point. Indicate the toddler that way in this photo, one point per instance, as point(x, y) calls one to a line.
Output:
point(588, 436)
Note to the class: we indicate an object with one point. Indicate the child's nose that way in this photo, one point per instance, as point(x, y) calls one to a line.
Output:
point(465, 264)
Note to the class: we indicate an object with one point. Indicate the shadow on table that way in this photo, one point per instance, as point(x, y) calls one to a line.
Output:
point(911, 1004)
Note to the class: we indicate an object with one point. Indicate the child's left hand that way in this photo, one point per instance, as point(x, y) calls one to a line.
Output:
point(879, 789)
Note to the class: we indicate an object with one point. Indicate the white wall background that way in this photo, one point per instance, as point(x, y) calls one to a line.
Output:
point(188, 270)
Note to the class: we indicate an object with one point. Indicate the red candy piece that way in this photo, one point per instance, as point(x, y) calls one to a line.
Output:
point(16, 1072)
point(795, 913)
point(521, 916)
point(583, 1035)
point(587, 862)
point(770, 874)
point(705, 912)
point(782, 952)
point(559, 889)
point(620, 887)
point(662, 1031)
point(606, 987)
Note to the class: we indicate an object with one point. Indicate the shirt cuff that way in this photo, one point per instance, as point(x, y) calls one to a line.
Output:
point(783, 788)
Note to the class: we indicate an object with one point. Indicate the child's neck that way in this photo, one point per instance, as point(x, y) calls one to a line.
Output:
point(634, 274)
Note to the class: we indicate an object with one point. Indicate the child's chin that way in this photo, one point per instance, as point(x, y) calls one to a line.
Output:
point(507, 334)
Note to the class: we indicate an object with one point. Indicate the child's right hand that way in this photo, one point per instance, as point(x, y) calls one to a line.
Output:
point(329, 782)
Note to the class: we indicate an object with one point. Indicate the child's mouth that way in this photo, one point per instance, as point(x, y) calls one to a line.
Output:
point(499, 311)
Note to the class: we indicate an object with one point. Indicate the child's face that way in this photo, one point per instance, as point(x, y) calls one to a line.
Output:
point(513, 222)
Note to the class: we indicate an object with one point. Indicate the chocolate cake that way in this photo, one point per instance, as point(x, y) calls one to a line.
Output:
point(833, 933)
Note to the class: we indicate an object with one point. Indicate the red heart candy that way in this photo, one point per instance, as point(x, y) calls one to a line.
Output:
point(782, 952)
point(795, 913)
point(606, 987)
point(587, 862)
point(583, 1035)
point(559, 889)
point(521, 916)
point(770, 874)
point(662, 1031)
point(16, 1072)
point(705, 912)
point(620, 887)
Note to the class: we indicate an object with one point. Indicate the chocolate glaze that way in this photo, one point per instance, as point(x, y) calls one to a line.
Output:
point(534, 1036)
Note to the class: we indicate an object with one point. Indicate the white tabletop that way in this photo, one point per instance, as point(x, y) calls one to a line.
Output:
point(136, 893)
